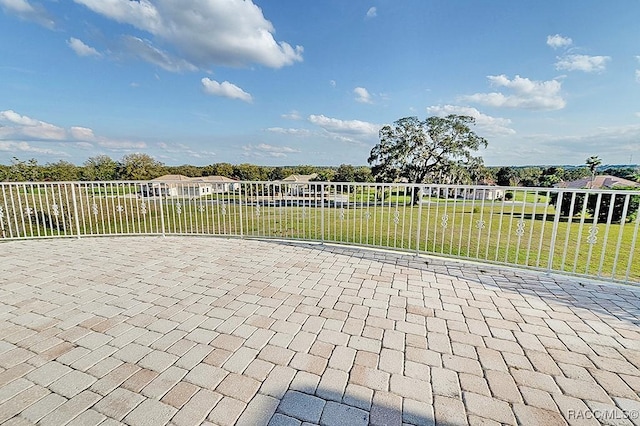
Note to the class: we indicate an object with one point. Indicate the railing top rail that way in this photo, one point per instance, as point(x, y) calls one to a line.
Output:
point(328, 183)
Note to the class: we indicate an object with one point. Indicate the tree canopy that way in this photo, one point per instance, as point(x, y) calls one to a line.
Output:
point(20, 171)
point(100, 167)
point(436, 149)
point(140, 167)
point(61, 171)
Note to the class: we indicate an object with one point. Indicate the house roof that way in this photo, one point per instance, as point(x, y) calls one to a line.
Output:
point(300, 178)
point(171, 178)
point(216, 178)
point(182, 178)
point(599, 182)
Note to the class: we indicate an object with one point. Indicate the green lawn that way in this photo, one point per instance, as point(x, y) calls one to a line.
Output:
point(530, 197)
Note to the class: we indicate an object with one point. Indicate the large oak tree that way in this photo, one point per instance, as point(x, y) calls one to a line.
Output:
point(434, 150)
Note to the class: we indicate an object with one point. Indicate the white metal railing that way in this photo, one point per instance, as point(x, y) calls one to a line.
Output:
point(583, 232)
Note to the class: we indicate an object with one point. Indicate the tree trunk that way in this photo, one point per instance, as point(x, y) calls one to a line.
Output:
point(417, 195)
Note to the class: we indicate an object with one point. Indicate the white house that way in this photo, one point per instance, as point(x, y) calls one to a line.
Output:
point(179, 185)
point(485, 193)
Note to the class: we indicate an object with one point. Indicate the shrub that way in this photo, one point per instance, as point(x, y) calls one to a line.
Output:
point(605, 204)
point(59, 223)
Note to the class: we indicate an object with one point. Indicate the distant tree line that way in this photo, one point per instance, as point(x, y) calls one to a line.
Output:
point(549, 176)
point(144, 167)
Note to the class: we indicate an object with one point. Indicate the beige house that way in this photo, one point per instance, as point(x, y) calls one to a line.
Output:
point(299, 184)
point(180, 185)
point(221, 184)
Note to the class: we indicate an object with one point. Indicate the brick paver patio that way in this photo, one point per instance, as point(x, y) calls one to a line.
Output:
point(184, 331)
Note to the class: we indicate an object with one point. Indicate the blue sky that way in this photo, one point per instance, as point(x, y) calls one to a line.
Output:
point(291, 82)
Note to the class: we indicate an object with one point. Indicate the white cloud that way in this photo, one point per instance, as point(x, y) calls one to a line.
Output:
point(584, 63)
point(15, 118)
point(19, 6)
point(557, 41)
point(351, 127)
point(372, 12)
point(141, 14)
point(362, 95)
point(293, 115)
point(575, 62)
point(181, 149)
point(82, 133)
point(638, 76)
point(225, 89)
point(279, 149)
point(609, 142)
point(82, 49)
point(21, 132)
point(15, 147)
point(86, 136)
point(289, 131)
point(205, 32)
point(526, 94)
point(264, 149)
point(615, 144)
point(144, 50)
point(120, 145)
point(44, 131)
point(84, 145)
point(29, 127)
point(28, 11)
point(491, 125)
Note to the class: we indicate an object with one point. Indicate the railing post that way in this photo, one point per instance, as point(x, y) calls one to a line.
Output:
point(241, 217)
point(554, 232)
point(633, 246)
point(75, 210)
point(322, 211)
point(418, 230)
point(2, 213)
point(162, 213)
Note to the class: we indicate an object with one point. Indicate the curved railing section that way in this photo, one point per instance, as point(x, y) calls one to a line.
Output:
point(592, 233)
